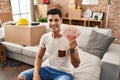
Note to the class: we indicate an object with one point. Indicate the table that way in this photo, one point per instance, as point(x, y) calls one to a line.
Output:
point(2, 53)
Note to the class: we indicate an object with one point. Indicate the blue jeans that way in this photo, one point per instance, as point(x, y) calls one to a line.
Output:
point(47, 73)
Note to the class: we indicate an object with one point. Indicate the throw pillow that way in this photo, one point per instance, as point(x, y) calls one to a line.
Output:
point(98, 43)
point(85, 33)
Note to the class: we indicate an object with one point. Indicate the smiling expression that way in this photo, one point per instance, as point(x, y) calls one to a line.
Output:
point(54, 22)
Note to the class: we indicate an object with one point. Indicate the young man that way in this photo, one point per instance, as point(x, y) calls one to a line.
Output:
point(62, 53)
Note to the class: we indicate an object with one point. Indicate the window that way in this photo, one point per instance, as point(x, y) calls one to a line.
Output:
point(20, 9)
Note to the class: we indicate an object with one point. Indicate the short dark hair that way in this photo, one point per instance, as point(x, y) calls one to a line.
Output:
point(54, 11)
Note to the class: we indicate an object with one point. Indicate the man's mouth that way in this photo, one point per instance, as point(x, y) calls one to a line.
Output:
point(53, 26)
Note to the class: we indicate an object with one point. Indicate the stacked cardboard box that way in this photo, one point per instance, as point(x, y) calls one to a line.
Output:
point(74, 13)
point(39, 1)
point(71, 6)
point(74, 1)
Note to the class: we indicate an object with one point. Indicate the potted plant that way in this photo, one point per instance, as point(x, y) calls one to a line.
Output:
point(96, 17)
point(42, 19)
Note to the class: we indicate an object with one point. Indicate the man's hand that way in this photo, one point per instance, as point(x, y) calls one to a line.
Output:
point(72, 43)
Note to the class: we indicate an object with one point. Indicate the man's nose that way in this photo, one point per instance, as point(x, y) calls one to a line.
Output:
point(53, 22)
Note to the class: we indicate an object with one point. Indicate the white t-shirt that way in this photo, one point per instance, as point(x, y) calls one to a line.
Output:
point(53, 46)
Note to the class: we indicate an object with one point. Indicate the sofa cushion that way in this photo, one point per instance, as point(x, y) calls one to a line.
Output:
point(12, 47)
point(85, 33)
point(98, 43)
point(89, 66)
point(31, 51)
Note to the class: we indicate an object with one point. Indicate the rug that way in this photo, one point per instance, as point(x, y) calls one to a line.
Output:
point(11, 62)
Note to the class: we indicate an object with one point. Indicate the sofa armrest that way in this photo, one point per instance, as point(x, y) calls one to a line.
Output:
point(111, 63)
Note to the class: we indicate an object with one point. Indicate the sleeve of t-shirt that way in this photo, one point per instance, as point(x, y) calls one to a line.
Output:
point(42, 41)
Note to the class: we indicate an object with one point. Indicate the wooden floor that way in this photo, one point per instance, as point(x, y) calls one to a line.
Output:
point(11, 69)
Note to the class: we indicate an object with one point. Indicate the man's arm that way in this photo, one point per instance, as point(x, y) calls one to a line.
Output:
point(38, 62)
point(75, 60)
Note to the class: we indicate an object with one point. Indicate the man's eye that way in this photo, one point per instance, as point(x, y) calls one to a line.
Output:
point(56, 20)
point(50, 20)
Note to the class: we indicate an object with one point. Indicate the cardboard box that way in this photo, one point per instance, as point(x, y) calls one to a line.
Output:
point(75, 14)
point(39, 1)
point(24, 35)
point(74, 1)
point(71, 6)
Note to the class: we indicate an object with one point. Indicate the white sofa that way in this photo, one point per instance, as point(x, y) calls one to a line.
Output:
point(91, 67)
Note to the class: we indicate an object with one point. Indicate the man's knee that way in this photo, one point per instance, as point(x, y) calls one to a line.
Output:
point(21, 77)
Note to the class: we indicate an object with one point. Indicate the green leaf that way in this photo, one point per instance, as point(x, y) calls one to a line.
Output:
point(42, 19)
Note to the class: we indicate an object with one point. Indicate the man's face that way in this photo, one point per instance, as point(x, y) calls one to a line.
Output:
point(54, 22)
